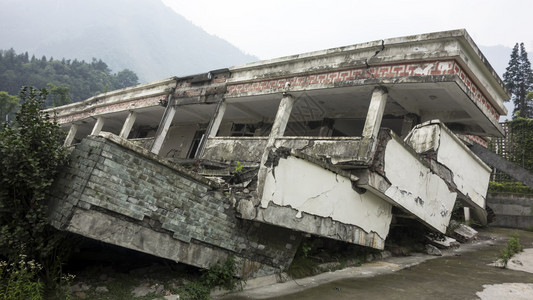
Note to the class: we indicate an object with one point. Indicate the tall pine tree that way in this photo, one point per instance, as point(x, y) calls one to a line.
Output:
point(518, 78)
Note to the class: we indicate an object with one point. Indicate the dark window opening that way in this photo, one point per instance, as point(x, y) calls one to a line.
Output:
point(196, 141)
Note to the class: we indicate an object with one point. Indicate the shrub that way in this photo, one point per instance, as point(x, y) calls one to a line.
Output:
point(509, 187)
point(31, 154)
point(513, 247)
point(220, 274)
point(19, 280)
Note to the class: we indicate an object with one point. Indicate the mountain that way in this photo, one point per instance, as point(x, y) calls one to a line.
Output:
point(144, 36)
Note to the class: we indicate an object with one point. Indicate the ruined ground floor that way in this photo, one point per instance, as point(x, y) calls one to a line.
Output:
point(118, 192)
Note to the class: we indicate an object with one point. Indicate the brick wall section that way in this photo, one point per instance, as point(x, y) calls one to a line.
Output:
point(209, 91)
point(132, 184)
point(427, 68)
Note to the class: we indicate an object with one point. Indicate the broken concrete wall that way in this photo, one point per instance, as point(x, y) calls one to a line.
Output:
point(301, 195)
point(415, 188)
point(452, 160)
point(121, 194)
point(338, 150)
point(243, 149)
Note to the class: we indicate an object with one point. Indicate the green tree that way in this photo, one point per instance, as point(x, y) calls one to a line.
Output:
point(125, 78)
point(58, 95)
point(70, 81)
point(31, 154)
point(8, 105)
point(518, 78)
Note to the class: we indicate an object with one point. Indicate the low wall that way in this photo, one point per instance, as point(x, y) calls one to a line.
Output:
point(511, 210)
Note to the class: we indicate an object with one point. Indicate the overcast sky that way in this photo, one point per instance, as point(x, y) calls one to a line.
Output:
point(275, 28)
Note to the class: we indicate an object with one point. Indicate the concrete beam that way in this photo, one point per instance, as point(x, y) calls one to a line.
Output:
point(128, 124)
point(98, 126)
point(71, 134)
point(500, 163)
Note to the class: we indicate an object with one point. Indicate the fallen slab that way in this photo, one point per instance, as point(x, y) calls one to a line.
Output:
point(445, 243)
point(463, 233)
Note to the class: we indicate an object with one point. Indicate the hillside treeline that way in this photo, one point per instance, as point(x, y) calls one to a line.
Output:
point(66, 80)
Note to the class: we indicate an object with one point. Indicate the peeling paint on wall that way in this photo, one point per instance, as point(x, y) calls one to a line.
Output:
point(416, 188)
point(309, 188)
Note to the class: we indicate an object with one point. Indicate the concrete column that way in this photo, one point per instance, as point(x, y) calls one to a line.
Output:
point(467, 213)
point(375, 113)
point(373, 122)
point(282, 118)
point(217, 119)
point(71, 134)
point(128, 124)
point(163, 129)
point(98, 126)
point(278, 129)
point(212, 128)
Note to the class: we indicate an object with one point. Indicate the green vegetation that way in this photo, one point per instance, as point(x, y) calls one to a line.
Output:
point(19, 280)
point(517, 145)
point(518, 78)
point(8, 105)
point(66, 80)
point(513, 247)
point(509, 187)
point(31, 154)
point(220, 274)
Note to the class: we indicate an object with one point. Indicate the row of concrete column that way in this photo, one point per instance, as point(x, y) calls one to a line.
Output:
point(370, 131)
point(124, 132)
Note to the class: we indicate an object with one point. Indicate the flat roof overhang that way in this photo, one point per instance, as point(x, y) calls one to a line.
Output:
point(443, 97)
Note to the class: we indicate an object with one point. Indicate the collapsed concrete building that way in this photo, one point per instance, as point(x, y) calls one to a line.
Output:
point(244, 161)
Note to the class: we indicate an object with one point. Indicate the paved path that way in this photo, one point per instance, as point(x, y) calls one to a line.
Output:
point(460, 274)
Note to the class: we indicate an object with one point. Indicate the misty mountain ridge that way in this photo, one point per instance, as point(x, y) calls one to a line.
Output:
point(144, 36)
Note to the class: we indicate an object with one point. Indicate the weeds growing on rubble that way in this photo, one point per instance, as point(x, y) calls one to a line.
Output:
point(220, 274)
point(19, 280)
point(513, 247)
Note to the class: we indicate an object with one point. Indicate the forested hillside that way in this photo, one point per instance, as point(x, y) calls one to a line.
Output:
point(142, 35)
point(66, 80)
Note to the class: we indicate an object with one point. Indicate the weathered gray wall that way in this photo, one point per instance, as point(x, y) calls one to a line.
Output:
point(121, 194)
point(511, 210)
